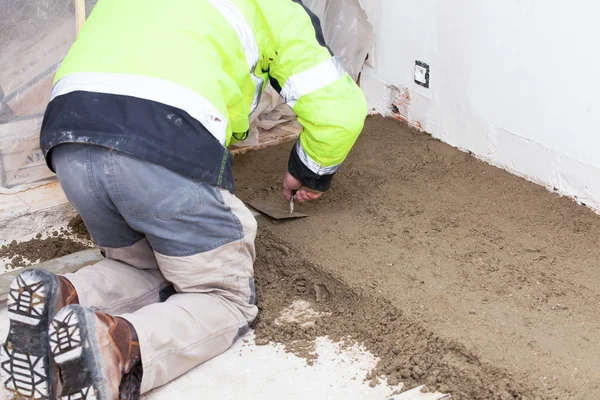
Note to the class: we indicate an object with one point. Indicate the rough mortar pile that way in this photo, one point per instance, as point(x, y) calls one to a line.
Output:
point(56, 244)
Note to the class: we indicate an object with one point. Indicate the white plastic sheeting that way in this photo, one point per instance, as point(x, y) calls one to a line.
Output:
point(34, 37)
point(348, 29)
point(270, 112)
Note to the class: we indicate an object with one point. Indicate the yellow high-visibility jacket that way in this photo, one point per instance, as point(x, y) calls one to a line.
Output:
point(174, 82)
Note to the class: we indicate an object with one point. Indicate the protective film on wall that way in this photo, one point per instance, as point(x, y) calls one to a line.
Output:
point(348, 28)
point(34, 38)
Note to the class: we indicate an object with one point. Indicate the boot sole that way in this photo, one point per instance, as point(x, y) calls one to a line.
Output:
point(75, 350)
point(27, 370)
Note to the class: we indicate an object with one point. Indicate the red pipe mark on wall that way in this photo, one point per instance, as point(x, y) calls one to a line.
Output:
point(401, 105)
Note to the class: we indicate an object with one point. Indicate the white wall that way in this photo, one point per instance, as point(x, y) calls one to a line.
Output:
point(515, 82)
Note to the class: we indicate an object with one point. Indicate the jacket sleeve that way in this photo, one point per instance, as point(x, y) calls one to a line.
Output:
point(329, 105)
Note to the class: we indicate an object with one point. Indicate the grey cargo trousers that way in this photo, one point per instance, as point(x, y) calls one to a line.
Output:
point(158, 228)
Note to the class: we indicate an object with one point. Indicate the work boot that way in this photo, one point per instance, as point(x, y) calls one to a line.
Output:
point(27, 369)
point(95, 353)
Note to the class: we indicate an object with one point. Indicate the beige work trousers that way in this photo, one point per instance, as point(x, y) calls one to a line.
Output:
point(213, 304)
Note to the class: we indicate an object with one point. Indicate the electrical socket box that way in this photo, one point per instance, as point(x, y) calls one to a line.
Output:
point(422, 74)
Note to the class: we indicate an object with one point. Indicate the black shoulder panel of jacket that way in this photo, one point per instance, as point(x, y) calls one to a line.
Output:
point(150, 130)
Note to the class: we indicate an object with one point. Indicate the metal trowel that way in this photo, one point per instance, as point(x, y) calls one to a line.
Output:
point(277, 209)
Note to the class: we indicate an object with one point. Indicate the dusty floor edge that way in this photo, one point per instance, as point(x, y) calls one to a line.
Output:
point(265, 372)
point(336, 358)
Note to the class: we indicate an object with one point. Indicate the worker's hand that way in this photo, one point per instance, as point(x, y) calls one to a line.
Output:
point(302, 193)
